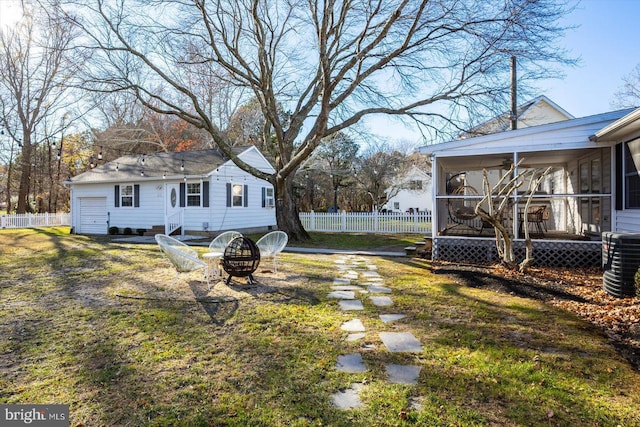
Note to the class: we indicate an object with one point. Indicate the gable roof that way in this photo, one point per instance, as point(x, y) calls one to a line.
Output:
point(156, 166)
point(540, 110)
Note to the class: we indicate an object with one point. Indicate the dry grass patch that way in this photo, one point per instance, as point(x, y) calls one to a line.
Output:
point(98, 325)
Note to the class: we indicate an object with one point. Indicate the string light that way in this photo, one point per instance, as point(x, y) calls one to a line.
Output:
point(142, 160)
point(164, 175)
point(117, 167)
point(141, 172)
point(185, 178)
point(100, 154)
point(182, 166)
point(59, 155)
point(92, 164)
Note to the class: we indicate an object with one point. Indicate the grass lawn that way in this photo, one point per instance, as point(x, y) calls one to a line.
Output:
point(98, 325)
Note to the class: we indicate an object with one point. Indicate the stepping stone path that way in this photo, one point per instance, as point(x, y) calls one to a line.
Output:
point(346, 291)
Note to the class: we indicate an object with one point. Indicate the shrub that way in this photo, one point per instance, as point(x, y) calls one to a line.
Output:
point(113, 230)
point(128, 231)
point(141, 231)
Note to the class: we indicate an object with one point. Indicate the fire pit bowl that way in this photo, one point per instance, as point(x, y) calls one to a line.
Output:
point(241, 258)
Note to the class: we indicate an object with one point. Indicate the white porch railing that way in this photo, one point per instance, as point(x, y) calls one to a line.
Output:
point(34, 220)
point(173, 222)
point(367, 222)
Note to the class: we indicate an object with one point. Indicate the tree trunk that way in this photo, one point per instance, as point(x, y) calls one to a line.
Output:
point(23, 189)
point(287, 210)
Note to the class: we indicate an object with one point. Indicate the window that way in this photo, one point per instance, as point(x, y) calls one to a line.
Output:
point(415, 184)
point(237, 195)
point(396, 205)
point(126, 195)
point(193, 194)
point(632, 174)
point(267, 197)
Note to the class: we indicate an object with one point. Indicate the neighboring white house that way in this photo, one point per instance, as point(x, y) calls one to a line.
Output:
point(594, 186)
point(538, 111)
point(196, 191)
point(411, 192)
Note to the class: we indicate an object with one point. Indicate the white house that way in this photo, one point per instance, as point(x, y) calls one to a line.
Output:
point(593, 187)
point(411, 192)
point(538, 111)
point(194, 191)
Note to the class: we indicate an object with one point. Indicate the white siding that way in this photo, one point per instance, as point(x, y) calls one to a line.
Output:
point(628, 221)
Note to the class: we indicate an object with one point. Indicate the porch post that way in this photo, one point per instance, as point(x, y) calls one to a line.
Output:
point(514, 208)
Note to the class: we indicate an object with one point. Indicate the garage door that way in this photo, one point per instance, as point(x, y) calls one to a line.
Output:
point(93, 215)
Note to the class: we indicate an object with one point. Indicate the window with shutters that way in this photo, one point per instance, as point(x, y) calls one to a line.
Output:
point(126, 195)
point(268, 197)
point(194, 195)
point(237, 195)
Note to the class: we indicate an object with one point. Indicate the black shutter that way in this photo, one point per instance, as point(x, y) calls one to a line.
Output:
point(205, 194)
point(264, 197)
point(116, 196)
point(228, 194)
point(246, 196)
point(183, 190)
point(619, 178)
point(136, 196)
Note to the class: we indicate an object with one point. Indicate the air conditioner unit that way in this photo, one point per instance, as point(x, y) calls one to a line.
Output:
point(620, 262)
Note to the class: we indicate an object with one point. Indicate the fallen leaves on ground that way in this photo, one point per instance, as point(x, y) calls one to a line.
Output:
point(580, 291)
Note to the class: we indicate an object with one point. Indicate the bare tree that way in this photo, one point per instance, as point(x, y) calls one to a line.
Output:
point(494, 206)
point(629, 93)
point(35, 71)
point(330, 63)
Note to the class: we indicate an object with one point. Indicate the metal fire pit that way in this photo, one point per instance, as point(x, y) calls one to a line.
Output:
point(241, 258)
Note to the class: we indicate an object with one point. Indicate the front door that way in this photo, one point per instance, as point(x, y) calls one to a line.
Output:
point(172, 202)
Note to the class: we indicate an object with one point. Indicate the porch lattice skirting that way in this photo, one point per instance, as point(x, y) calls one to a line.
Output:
point(545, 252)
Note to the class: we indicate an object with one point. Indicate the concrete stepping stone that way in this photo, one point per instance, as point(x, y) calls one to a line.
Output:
point(375, 289)
point(348, 305)
point(353, 325)
point(342, 295)
point(370, 274)
point(356, 337)
point(403, 374)
point(400, 342)
point(352, 275)
point(351, 363)
point(372, 267)
point(388, 318)
point(341, 281)
point(381, 301)
point(347, 288)
point(348, 399)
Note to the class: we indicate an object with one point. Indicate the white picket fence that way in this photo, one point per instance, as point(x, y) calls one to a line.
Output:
point(34, 220)
point(367, 222)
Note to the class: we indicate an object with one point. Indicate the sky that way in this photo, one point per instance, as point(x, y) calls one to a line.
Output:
point(606, 39)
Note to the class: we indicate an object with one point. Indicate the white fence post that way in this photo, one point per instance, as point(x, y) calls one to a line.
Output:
point(343, 215)
point(312, 220)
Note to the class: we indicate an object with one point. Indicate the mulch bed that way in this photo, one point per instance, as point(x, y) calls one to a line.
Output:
point(578, 290)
